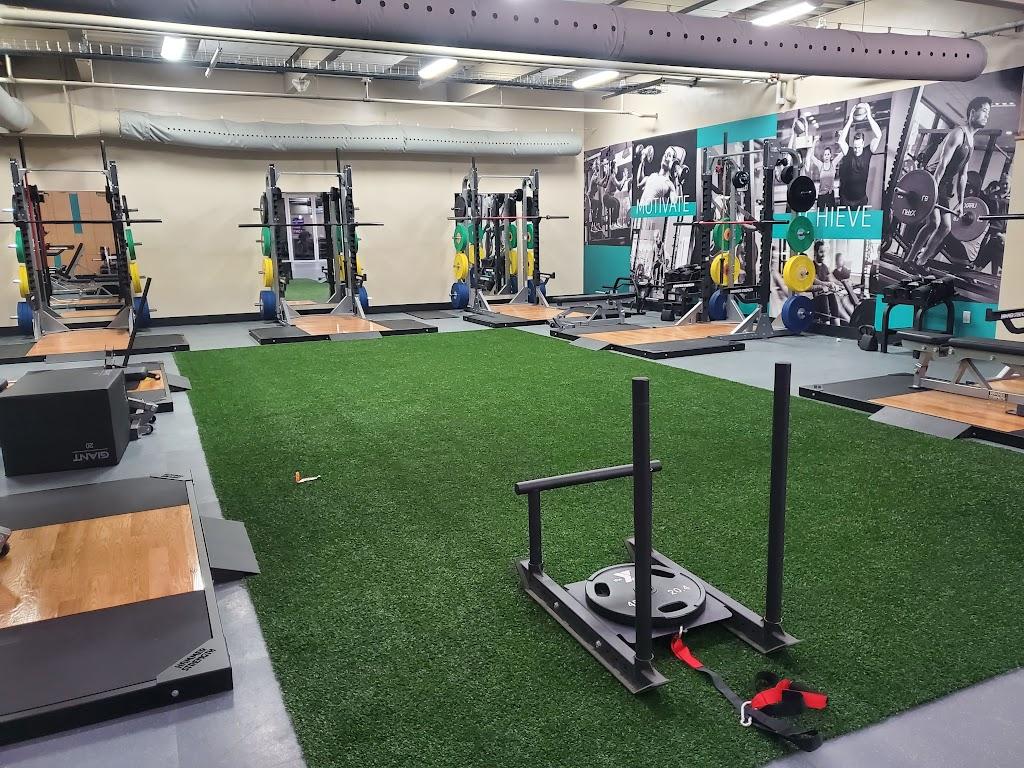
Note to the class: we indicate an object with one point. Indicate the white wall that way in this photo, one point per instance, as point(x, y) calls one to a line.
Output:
point(202, 264)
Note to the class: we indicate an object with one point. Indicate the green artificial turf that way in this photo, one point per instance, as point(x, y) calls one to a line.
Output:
point(304, 289)
point(398, 630)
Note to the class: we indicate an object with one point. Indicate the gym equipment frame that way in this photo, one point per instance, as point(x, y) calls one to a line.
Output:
point(343, 318)
point(527, 303)
point(52, 336)
point(618, 625)
point(151, 636)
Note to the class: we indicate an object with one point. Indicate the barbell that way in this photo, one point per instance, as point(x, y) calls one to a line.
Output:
point(916, 199)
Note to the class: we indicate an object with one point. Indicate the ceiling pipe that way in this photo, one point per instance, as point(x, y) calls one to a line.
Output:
point(580, 30)
point(77, 21)
point(1010, 25)
point(366, 99)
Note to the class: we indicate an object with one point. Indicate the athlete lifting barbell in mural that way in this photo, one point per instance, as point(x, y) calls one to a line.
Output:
point(951, 176)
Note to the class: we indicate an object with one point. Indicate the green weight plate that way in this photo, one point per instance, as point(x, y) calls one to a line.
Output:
point(512, 235)
point(267, 242)
point(461, 238)
point(19, 246)
point(129, 241)
point(529, 235)
point(725, 236)
point(800, 234)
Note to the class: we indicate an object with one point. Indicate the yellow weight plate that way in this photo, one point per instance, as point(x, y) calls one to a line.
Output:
point(23, 280)
point(471, 254)
point(798, 273)
point(725, 269)
point(268, 273)
point(342, 270)
point(529, 263)
point(133, 270)
point(513, 261)
point(461, 266)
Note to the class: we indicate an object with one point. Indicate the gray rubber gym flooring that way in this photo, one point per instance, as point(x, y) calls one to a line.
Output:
point(249, 727)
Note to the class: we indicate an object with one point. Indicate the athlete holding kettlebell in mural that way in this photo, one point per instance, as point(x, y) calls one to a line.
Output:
point(856, 163)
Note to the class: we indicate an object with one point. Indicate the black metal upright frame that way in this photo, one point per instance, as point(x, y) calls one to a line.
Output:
point(631, 662)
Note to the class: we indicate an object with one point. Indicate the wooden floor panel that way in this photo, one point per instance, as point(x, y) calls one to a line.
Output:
point(75, 314)
point(69, 568)
point(526, 311)
point(1014, 384)
point(664, 333)
point(987, 414)
point(318, 325)
point(88, 340)
point(86, 302)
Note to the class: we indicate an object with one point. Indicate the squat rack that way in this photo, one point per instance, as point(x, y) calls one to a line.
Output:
point(31, 235)
point(758, 324)
point(526, 218)
point(348, 297)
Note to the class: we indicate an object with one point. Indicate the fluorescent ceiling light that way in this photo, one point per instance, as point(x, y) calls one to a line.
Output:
point(173, 48)
point(595, 79)
point(784, 14)
point(437, 67)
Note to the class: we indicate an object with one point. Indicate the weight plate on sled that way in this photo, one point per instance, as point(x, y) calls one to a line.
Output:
point(674, 596)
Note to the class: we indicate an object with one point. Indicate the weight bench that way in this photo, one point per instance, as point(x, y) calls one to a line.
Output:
point(586, 308)
point(1007, 387)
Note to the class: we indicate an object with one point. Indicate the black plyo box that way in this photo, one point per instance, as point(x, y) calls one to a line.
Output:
point(57, 420)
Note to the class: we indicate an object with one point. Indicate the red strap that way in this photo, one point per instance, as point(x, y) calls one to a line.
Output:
point(683, 653)
point(772, 696)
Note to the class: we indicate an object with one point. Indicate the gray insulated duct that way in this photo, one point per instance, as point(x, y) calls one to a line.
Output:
point(282, 137)
point(575, 29)
point(14, 115)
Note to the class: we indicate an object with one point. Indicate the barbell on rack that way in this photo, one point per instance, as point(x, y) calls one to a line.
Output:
point(916, 199)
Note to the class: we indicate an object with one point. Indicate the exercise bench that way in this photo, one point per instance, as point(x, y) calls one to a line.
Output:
point(968, 353)
point(583, 309)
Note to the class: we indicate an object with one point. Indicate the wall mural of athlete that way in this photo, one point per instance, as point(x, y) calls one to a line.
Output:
point(950, 174)
point(608, 184)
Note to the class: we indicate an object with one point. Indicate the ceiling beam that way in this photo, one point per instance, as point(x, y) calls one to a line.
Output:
point(1013, 5)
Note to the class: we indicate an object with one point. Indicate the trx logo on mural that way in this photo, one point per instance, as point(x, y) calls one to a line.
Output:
point(91, 453)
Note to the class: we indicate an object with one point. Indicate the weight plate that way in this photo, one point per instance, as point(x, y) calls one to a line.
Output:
point(19, 246)
point(142, 316)
point(800, 234)
point(798, 313)
point(23, 281)
point(512, 235)
point(266, 242)
point(268, 273)
point(674, 596)
point(725, 268)
point(129, 241)
point(513, 262)
point(364, 298)
point(970, 226)
point(264, 211)
point(915, 197)
point(726, 236)
point(461, 238)
point(529, 235)
point(461, 266)
point(25, 317)
point(530, 263)
point(460, 295)
point(268, 305)
point(802, 194)
point(133, 270)
point(718, 306)
point(798, 274)
point(471, 254)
